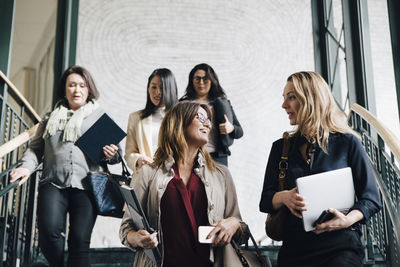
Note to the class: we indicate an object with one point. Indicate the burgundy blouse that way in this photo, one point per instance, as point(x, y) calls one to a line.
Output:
point(183, 210)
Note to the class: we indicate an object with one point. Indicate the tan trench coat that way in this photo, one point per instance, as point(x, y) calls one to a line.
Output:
point(150, 185)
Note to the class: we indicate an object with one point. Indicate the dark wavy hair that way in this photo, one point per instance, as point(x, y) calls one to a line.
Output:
point(215, 91)
point(92, 89)
point(169, 92)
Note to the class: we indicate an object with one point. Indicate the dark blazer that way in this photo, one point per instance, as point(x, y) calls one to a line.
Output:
point(302, 248)
point(222, 106)
point(344, 150)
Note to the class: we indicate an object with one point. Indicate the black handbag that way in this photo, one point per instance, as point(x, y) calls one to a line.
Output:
point(105, 189)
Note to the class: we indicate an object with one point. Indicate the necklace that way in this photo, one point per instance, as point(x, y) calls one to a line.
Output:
point(310, 151)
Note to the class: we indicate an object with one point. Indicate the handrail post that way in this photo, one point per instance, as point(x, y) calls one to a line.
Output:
point(3, 98)
point(30, 221)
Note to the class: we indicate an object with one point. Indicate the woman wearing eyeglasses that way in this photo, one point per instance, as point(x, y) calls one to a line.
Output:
point(143, 125)
point(203, 86)
point(181, 190)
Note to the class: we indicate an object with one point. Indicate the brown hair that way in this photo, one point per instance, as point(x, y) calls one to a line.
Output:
point(92, 90)
point(172, 136)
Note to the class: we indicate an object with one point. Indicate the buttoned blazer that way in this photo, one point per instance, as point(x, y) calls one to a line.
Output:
point(64, 164)
point(139, 139)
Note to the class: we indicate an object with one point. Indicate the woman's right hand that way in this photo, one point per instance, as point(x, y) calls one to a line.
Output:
point(291, 199)
point(20, 172)
point(142, 238)
point(143, 160)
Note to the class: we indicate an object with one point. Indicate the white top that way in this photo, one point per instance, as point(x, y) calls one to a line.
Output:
point(212, 137)
point(157, 118)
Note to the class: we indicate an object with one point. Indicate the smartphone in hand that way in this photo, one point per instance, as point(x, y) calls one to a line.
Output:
point(325, 216)
point(203, 233)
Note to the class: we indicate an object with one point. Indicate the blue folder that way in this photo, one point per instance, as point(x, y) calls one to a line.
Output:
point(103, 132)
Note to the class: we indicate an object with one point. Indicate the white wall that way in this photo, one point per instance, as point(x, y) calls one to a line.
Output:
point(32, 58)
point(382, 66)
point(253, 46)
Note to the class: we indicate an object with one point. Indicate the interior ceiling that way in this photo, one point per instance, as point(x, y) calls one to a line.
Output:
point(30, 22)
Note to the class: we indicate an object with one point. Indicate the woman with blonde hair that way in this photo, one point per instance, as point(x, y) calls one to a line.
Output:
point(181, 190)
point(322, 141)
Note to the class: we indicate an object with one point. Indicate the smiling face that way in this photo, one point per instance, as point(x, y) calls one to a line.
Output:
point(76, 91)
point(290, 103)
point(155, 90)
point(198, 131)
point(201, 84)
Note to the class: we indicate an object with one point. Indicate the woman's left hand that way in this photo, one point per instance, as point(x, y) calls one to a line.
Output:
point(226, 127)
point(110, 151)
point(339, 221)
point(223, 231)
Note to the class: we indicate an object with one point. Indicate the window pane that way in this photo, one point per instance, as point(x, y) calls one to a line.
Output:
point(382, 63)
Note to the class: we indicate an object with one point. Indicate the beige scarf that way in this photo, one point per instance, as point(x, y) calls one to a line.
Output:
point(61, 119)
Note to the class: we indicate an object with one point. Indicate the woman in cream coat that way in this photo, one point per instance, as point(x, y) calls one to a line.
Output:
point(143, 125)
point(182, 190)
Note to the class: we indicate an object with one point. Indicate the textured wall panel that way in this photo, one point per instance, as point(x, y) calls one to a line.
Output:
point(253, 46)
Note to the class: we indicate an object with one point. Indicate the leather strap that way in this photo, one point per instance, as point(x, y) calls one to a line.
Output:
point(239, 252)
point(283, 165)
point(125, 171)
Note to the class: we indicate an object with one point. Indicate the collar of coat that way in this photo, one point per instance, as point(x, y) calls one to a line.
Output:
point(168, 163)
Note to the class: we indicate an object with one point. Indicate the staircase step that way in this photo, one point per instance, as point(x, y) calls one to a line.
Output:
point(123, 257)
point(99, 257)
point(111, 257)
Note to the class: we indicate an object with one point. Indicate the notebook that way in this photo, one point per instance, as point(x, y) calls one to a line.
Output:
point(103, 132)
point(139, 220)
point(332, 189)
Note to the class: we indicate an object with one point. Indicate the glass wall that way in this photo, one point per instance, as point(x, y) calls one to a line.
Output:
point(382, 63)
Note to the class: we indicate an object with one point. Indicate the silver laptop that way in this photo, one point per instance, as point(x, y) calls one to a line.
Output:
point(332, 189)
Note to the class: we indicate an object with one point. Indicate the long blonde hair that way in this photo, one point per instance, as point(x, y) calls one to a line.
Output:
point(318, 115)
point(172, 135)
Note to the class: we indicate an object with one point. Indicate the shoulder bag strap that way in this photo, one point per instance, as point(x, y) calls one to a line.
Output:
point(243, 260)
point(283, 165)
point(125, 171)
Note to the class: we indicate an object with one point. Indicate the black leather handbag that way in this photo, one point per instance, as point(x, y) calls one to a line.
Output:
point(105, 188)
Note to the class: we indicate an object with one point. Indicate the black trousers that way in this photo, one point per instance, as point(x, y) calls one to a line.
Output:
point(332, 249)
point(53, 206)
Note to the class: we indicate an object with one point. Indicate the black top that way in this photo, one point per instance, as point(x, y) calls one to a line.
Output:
point(223, 106)
point(344, 150)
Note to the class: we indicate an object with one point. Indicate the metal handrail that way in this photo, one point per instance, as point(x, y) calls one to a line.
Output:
point(18, 233)
point(20, 96)
point(393, 144)
point(9, 187)
point(390, 138)
point(384, 231)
